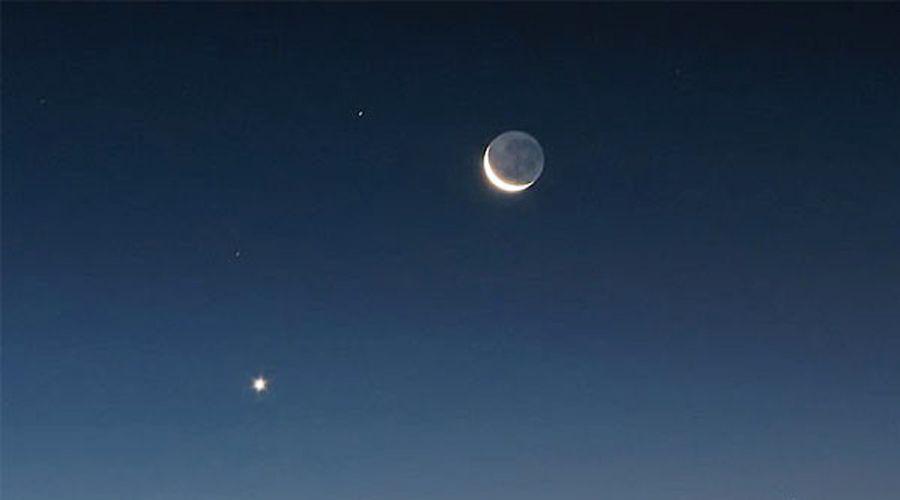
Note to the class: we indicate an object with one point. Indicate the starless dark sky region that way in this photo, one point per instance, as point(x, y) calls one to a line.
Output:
point(699, 299)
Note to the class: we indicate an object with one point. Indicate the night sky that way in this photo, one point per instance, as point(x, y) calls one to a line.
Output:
point(699, 299)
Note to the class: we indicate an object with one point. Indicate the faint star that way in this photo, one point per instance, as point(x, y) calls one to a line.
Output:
point(260, 384)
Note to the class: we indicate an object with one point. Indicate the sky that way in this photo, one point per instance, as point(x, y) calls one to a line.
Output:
point(699, 298)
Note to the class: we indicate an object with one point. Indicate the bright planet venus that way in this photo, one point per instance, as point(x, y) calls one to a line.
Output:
point(260, 384)
point(513, 161)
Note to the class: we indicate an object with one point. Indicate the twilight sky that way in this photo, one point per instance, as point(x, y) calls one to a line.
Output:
point(698, 300)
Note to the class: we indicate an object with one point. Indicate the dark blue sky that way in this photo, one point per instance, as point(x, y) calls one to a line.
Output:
point(700, 298)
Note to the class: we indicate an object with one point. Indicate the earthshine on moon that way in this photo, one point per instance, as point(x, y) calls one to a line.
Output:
point(513, 161)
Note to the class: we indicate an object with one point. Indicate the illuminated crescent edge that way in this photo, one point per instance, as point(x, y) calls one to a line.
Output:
point(497, 181)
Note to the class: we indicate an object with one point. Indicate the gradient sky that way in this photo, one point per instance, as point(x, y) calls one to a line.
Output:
point(699, 300)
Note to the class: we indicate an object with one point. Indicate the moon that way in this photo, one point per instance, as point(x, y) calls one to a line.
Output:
point(513, 161)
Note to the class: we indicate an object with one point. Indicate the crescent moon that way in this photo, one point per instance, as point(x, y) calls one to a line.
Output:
point(499, 183)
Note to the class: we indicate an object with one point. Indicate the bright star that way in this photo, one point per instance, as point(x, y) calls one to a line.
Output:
point(260, 384)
